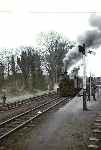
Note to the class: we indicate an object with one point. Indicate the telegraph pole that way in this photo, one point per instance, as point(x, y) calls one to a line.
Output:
point(90, 87)
point(83, 51)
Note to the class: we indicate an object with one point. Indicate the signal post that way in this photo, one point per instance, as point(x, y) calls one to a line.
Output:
point(83, 51)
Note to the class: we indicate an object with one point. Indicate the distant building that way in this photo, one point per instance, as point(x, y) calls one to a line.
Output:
point(98, 80)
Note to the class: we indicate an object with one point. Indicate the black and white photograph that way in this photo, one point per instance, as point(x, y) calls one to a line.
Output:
point(50, 75)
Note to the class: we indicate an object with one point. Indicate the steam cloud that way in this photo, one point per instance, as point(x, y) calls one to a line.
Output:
point(71, 58)
point(91, 38)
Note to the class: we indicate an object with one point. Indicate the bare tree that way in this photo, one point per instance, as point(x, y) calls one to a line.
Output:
point(53, 49)
point(13, 66)
point(2, 67)
point(29, 63)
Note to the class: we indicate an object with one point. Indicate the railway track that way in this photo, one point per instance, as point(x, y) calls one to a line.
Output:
point(95, 139)
point(29, 104)
point(19, 121)
point(26, 102)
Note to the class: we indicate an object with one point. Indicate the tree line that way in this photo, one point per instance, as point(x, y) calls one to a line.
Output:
point(28, 65)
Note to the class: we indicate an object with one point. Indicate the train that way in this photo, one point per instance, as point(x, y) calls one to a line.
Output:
point(69, 87)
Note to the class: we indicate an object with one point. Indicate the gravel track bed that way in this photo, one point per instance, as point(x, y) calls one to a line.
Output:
point(4, 115)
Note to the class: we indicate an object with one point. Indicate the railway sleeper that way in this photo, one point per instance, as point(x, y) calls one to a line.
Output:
point(97, 124)
point(96, 131)
point(93, 147)
point(97, 127)
point(98, 120)
point(30, 125)
point(94, 139)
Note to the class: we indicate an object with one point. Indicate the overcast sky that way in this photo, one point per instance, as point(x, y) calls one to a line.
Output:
point(22, 20)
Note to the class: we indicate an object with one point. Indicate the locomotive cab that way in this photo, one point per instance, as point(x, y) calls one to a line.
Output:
point(67, 86)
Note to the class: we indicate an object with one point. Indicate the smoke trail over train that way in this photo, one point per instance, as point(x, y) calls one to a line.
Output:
point(91, 38)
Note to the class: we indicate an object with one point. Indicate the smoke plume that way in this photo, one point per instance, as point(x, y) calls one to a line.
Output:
point(91, 38)
point(71, 58)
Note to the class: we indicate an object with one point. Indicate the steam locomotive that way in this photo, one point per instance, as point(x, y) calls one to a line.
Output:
point(69, 87)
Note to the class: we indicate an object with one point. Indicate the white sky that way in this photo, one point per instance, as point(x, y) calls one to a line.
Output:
point(22, 20)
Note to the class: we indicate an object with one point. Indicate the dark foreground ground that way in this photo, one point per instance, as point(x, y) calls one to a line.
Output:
point(64, 128)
